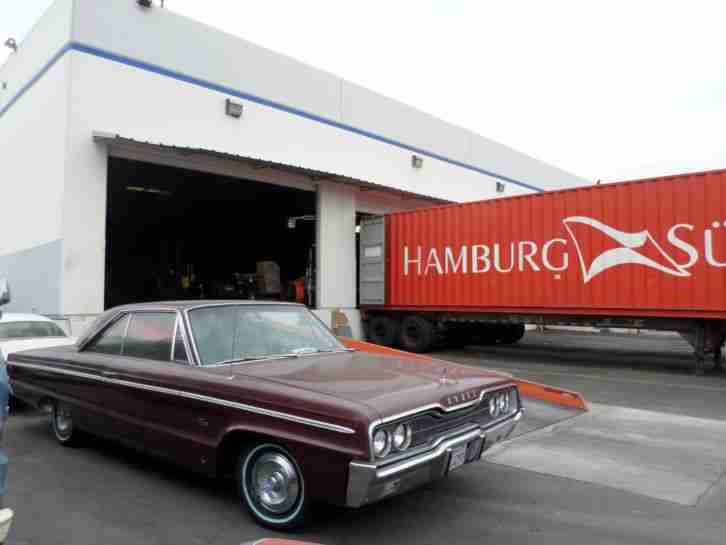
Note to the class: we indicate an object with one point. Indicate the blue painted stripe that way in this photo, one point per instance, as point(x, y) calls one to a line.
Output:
point(179, 76)
point(25, 88)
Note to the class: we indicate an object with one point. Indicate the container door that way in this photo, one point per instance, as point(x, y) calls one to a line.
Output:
point(372, 271)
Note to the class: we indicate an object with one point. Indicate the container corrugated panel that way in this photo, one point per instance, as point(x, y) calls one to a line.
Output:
point(651, 248)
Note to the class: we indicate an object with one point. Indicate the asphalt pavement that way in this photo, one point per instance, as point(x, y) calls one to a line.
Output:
point(106, 494)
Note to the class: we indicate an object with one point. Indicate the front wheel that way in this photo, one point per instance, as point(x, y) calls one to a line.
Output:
point(64, 429)
point(271, 487)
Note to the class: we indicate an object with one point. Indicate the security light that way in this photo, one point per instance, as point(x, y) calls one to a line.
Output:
point(416, 161)
point(233, 109)
point(292, 222)
point(12, 44)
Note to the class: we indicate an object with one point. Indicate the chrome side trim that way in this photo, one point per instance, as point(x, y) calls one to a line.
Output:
point(198, 397)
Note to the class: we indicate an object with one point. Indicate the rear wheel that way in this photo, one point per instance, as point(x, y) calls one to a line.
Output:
point(62, 424)
point(383, 330)
point(271, 487)
point(417, 334)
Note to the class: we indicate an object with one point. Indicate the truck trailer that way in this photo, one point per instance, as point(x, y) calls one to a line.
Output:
point(645, 254)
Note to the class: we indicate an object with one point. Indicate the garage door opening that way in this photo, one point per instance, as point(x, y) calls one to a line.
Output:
point(181, 234)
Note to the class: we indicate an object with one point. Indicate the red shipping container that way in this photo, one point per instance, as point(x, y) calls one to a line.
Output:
point(651, 248)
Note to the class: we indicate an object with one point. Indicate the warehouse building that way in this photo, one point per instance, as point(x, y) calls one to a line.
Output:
point(144, 156)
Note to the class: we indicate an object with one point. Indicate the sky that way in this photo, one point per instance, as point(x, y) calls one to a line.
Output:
point(609, 91)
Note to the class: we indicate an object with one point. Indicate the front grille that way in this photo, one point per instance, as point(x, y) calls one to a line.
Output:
point(428, 427)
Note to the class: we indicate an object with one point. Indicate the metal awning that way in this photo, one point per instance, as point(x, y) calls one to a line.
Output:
point(118, 142)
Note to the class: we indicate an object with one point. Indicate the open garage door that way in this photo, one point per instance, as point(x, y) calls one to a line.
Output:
point(175, 233)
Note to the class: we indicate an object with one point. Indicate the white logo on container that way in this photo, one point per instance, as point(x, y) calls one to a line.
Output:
point(626, 254)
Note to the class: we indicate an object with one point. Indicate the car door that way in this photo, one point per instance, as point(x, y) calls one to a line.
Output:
point(158, 374)
point(104, 413)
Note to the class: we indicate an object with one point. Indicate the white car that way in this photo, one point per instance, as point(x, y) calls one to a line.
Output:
point(26, 331)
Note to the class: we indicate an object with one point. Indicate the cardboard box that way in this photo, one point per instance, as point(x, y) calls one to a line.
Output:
point(268, 277)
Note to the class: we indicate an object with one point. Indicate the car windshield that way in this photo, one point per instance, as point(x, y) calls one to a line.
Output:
point(234, 333)
point(29, 330)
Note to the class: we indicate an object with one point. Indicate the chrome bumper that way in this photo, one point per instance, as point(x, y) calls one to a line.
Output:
point(369, 482)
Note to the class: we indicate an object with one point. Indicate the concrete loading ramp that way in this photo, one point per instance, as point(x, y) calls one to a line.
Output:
point(663, 456)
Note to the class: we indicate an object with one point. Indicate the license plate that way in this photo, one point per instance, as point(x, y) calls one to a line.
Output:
point(458, 457)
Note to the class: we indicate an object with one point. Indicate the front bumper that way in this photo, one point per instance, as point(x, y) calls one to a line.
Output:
point(370, 482)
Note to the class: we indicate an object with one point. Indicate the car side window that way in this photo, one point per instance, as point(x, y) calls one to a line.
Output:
point(111, 341)
point(150, 335)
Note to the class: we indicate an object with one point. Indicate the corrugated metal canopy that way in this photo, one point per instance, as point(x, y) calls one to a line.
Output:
point(119, 141)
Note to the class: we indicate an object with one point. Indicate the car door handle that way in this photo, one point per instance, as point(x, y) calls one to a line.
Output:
point(109, 374)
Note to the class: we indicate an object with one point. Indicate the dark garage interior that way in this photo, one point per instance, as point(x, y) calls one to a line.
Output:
point(181, 234)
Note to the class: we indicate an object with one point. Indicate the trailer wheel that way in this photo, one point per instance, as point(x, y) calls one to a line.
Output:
point(383, 330)
point(417, 334)
point(511, 333)
point(487, 334)
point(459, 335)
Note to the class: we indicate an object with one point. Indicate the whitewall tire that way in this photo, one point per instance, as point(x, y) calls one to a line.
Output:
point(271, 486)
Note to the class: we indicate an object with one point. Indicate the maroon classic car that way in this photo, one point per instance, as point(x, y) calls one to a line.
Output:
point(265, 392)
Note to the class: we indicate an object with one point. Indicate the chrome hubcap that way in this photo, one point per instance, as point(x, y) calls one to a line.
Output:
point(275, 482)
point(63, 421)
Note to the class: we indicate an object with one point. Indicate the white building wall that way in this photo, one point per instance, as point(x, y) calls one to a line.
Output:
point(335, 247)
point(372, 137)
point(168, 85)
point(33, 125)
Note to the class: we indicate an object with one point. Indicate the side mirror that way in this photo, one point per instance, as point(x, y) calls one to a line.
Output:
point(4, 292)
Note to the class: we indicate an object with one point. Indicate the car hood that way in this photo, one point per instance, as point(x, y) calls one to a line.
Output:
point(388, 384)
point(10, 347)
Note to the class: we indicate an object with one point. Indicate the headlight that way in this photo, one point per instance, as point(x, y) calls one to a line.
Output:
point(402, 437)
point(381, 443)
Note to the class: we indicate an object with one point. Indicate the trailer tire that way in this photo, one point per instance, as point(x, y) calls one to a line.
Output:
point(417, 334)
point(487, 334)
point(458, 336)
point(511, 333)
point(383, 330)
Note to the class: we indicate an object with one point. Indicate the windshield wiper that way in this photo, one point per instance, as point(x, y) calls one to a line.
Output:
point(308, 351)
point(299, 353)
point(253, 358)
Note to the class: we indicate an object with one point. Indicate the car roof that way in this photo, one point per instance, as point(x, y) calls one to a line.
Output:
point(186, 305)
point(108, 316)
point(20, 317)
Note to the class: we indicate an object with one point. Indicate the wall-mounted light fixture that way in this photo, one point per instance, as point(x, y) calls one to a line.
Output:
point(416, 161)
point(292, 221)
point(501, 187)
point(12, 44)
point(152, 190)
point(233, 109)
